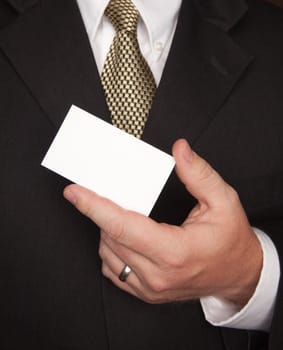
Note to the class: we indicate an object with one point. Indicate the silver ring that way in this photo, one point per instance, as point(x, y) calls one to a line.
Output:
point(125, 273)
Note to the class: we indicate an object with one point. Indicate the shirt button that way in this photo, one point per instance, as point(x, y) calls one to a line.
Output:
point(158, 46)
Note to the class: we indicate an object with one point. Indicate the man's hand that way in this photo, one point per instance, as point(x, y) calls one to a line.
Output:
point(214, 252)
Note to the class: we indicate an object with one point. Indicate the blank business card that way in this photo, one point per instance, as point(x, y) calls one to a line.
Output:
point(108, 161)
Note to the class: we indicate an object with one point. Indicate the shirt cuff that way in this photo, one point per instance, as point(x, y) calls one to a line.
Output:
point(257, 313)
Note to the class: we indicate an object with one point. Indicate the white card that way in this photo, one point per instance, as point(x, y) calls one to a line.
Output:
point(108, 161)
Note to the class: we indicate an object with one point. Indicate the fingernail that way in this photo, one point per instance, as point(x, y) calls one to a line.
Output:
point(70, 196)
point(188, 153)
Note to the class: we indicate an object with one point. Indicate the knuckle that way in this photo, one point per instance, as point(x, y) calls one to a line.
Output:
point(232, 195)
point(116, 228)
point(205, 171)
point(175, 259)
point(151, 298)
point(86, 209)
point(105, 270)
point(101, 251)
point(158, 285)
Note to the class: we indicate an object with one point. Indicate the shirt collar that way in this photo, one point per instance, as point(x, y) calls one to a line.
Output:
point(159, 16)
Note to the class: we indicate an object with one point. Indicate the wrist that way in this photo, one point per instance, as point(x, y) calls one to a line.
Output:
point(258, 312)
point(250, 268)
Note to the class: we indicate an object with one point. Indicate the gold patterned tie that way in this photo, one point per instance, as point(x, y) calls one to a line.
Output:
point(126, 78)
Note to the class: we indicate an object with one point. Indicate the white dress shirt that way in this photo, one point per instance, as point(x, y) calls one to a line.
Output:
point(155, 34)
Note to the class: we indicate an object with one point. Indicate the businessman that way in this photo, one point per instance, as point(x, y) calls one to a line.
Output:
point(203, 272)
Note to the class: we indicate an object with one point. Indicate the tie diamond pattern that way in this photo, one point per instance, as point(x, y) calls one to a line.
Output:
point(126, 78)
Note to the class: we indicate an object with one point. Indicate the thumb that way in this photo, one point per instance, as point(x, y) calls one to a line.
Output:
point(199, 178)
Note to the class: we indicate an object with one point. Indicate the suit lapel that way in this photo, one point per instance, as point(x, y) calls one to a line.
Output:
point(203, 66)
point(224, 14)
point(50, 51)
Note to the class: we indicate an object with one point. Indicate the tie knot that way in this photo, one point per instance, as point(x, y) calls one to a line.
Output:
point(123, 15)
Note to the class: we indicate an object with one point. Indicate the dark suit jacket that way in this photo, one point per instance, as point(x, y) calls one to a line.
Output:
point(221, 89)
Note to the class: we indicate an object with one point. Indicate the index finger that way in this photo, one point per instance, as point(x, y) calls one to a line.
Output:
point(129, 228)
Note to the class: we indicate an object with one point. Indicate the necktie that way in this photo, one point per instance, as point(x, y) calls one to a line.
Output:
point(126, 78)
